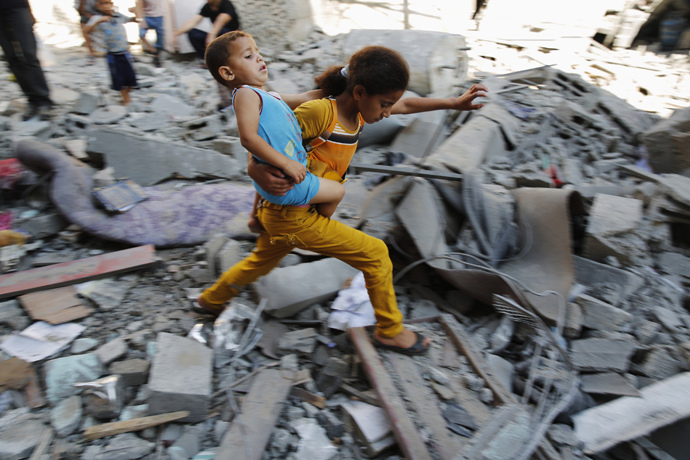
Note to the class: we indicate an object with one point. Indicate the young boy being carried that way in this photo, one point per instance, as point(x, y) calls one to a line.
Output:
point(267, 126)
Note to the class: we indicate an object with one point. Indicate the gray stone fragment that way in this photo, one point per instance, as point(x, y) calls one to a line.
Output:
point(66, 416)
point(86, 104)
point(12, 314)
point(301, 342)
point(83, 344)
point(19, 440)
point(601, 354)
point(62, 373)
point(313, 444)
point(108, 114)
point(43, 226)
point(133, 371)
point(659, 363)
point(125, 446)
point(601, 315)
point(110, 351)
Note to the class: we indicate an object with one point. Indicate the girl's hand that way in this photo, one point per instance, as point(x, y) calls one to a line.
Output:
point(296, 170)
point(466, 101)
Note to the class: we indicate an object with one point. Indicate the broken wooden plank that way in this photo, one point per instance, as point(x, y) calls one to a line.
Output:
point(135, 424)
point(457, 333)
point(55, 306)
point(424, 403)
point(404, 429)
point(307, 396)
point(629, 417)
point(249, 432)
point(405, 171)
point(76, 271)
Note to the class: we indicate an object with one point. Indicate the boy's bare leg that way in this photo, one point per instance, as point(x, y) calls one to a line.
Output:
point(328, 198)
point(254, 224)
point(125, 95)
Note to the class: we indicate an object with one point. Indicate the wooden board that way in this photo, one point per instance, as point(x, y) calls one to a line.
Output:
point(55, 306)
point(76, 271)
point(250, 431)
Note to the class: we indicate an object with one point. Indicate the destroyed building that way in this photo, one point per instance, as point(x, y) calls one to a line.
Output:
point(541, 241)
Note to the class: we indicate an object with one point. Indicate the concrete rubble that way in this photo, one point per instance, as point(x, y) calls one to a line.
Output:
point(542, 242)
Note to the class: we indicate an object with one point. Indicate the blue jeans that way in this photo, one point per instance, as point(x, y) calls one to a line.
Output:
point(197, 38)
point(155, 23)
point(19, 45)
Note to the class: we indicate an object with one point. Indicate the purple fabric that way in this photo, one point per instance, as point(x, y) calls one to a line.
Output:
point(184, 217)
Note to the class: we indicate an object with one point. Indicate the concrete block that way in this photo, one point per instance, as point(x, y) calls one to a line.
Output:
point(289, 290)
point(601, 355)
point(301, 342)
point(369, 425)
point(608, 383)
point(601, 315)
point(420, 136)
point(180, 377)
point(212, 247)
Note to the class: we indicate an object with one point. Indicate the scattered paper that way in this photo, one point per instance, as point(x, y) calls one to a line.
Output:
point(41, 340)
point(352, 306)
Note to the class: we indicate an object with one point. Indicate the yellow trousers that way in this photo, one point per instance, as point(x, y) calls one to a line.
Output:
point(289, 227)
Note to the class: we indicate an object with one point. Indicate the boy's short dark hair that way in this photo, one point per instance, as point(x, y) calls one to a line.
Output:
point(218, 53)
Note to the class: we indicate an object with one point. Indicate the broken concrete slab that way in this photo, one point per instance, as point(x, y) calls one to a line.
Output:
point(622, 419)
point(600, 315)
point(319, 281)
point(662, 143)
point(149, 162)
point(609, 383)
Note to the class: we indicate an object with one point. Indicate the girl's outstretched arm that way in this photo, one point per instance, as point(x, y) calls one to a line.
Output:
point(426, 104)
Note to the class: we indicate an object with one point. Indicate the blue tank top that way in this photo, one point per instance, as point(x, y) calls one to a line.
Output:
point(279, 127)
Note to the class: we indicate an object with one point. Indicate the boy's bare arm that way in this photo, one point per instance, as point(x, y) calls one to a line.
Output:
point(295, 100)
point(426, 104)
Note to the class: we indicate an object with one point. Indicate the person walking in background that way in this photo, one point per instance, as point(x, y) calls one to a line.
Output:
point(21, 52)
point(120, 62)
point(150, 16)
point(223, 17)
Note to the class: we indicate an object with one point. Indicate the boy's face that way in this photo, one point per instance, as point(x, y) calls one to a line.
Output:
point(105, 6)
point(375, 107)
point(246, 66)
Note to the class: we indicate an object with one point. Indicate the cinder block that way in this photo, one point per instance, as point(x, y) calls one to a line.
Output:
point(180, 377)
point(601, 315)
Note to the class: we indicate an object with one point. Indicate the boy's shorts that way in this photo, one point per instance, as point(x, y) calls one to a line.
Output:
point(302, 194)
point(121, 67)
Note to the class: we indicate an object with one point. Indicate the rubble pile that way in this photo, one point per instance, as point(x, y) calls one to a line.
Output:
point(568, 206)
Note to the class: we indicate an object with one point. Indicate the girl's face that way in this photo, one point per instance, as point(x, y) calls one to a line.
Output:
point(375, 107)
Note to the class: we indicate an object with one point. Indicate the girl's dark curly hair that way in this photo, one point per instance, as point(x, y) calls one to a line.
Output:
point(378, 69)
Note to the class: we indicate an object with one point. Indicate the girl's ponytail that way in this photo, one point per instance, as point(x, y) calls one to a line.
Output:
point(332, 80)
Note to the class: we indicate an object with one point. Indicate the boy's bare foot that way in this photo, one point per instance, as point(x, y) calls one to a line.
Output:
point(255, 225)
point(407, 342)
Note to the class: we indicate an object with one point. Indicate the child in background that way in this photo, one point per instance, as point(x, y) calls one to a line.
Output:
point(120, 63)
point(266, 124)
point(287, 227)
